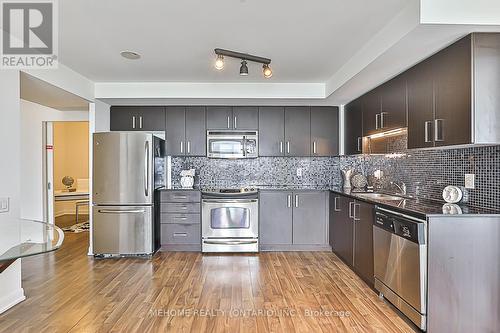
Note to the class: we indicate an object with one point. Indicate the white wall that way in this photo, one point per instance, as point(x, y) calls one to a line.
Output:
point(99, 122)
point(476, 12)
point(32, 187)
point(11, 291)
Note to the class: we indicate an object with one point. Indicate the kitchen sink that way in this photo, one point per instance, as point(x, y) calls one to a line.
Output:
point(379, 196)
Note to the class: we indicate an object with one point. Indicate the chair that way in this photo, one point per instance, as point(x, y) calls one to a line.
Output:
point(82, 185)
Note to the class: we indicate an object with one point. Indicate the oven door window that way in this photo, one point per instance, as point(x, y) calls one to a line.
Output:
point(226, 147)
point(230, 218)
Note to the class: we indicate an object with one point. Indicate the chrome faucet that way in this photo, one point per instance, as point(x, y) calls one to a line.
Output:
point(402, 188)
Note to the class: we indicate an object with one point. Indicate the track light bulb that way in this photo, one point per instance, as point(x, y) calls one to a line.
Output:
point(266, 70)
point(219, 62)
point(244, 68)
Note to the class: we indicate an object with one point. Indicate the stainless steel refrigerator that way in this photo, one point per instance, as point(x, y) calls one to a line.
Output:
point(127, 169)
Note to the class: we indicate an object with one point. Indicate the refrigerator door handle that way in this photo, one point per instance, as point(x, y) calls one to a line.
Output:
point(118, 211)
point(146, 169)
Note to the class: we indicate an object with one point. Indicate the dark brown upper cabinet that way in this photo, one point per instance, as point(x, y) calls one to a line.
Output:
point(324, 130)
point(297, 131)
point(453, 96)
point(219, 117)
point(353, 128)
point(232, 118)
point(246, 118)
point(420, 105)
point(384, 108)
point(137, 118)
point(271, 131)
point(393, 103)
point(185, 131)
point(371, 104)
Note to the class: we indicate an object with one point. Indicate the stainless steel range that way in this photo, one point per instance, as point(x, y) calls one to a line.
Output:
point(230, 220)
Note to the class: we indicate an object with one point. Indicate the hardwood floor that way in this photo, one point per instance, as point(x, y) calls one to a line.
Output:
point(70, 219)
point(68, 291)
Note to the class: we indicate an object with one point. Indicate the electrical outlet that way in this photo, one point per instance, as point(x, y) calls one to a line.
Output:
point(470, 179)
point(299, 172)
point(4, 205)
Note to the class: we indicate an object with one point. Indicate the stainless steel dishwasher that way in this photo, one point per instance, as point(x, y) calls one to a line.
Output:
point(400, 262)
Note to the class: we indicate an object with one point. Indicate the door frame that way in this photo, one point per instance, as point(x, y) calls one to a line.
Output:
point(48, 171)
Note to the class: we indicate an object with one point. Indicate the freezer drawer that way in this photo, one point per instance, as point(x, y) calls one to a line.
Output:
point(122, 230)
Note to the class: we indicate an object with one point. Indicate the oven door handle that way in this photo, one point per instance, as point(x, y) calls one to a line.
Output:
point(230, 242)
point(229, 200)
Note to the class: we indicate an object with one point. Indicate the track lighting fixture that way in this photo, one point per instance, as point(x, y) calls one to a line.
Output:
point(266, 70)
point(221, 53)
point(219, 62)
point(244, 68)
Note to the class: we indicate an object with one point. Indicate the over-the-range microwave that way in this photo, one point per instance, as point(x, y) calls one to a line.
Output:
point(232, 144)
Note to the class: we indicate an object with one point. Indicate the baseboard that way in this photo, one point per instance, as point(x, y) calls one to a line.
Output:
point(8, 301)
point(294, 247)
point(181, 247)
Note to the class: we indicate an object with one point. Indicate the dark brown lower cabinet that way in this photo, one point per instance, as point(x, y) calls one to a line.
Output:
point(351, 237)
point(363, 213)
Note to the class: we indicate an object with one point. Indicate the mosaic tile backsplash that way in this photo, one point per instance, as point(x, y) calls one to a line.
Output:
point(425, 172)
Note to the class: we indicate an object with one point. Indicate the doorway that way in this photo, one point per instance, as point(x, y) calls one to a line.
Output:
point(67, 174)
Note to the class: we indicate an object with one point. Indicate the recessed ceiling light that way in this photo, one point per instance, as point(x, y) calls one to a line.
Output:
point(130, 55)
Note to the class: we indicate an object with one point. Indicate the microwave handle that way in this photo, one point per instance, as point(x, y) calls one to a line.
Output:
point(244, 146)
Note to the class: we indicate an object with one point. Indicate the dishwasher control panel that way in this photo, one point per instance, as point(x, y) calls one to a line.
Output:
point(406, 227)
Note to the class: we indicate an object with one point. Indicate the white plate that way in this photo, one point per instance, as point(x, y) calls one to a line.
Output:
point(452, 194)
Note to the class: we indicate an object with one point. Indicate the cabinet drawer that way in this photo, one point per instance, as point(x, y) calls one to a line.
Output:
point(180, 233)
point(180, 196)
point(179, 207)
point(180, 218)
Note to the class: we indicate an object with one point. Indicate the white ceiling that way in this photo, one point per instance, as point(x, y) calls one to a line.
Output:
point(41, 92)
point(308, 41)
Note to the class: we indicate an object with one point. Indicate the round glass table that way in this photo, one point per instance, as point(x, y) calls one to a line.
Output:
point(33, 238)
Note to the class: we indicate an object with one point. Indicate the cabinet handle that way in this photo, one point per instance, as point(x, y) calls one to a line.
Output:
point(376, 120)
point(359, 143)
point(289, 201)
point(180, 234)
point(133, 121)
point(314, 147)
point(235, 122)
point(140, 121)
point(281, 147)
point(182, 147)
point(189, 147)
point(350, 209)
point(335, 206)
point(296, 201)
point(228, 122)
point(438, 130)
point(427, 131)
point(288, 147)
point(354, 212)
point(382, 122)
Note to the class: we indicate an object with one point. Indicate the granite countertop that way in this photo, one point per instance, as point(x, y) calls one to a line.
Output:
point(423, 207)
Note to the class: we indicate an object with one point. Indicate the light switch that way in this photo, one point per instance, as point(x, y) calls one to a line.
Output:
point(4, 205)
point(470, 180)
